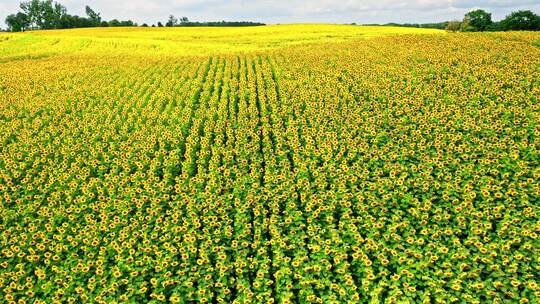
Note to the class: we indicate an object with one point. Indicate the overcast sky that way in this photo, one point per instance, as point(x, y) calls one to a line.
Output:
point(288, 11)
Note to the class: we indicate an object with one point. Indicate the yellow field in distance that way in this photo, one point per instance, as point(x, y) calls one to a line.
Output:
point(184, 40)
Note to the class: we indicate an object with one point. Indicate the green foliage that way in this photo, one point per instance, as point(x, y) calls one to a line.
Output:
point(116, 22)
point(437, 25)
point(46, 14)
point(480, 21)
point(33, 10)
point(94, 17)
point(521, 21)
point(173, 21)
point(477, 21)
point(17, 22)
point(43, 14)
point(453, 26)
point(184, 21)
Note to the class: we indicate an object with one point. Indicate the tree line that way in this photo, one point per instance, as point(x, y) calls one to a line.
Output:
point(480, 21)
point(184, 21)
point(46, 14)
point(436, 25)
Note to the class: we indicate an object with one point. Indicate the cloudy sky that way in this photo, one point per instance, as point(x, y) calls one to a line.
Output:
point(289, 11)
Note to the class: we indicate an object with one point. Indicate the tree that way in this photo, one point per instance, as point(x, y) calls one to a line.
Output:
point(94, 17)
point(453, 26)
point(59, 11)
point(184, 20)
point(51, 13)
point(69, 21)
point(495, 27)
point(17, 22)
point(477, 21)
point(44, 14)
point(114, 22)
point(127, 23)
point(33, 11)
point(172, 21)
point(521, 21)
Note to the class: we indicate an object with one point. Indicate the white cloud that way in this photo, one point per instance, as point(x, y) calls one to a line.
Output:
point(289, 11)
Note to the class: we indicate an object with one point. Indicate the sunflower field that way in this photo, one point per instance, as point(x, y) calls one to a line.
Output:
point(277, 164)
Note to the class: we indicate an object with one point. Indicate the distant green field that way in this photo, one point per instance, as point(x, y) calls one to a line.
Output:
point(275, 164)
